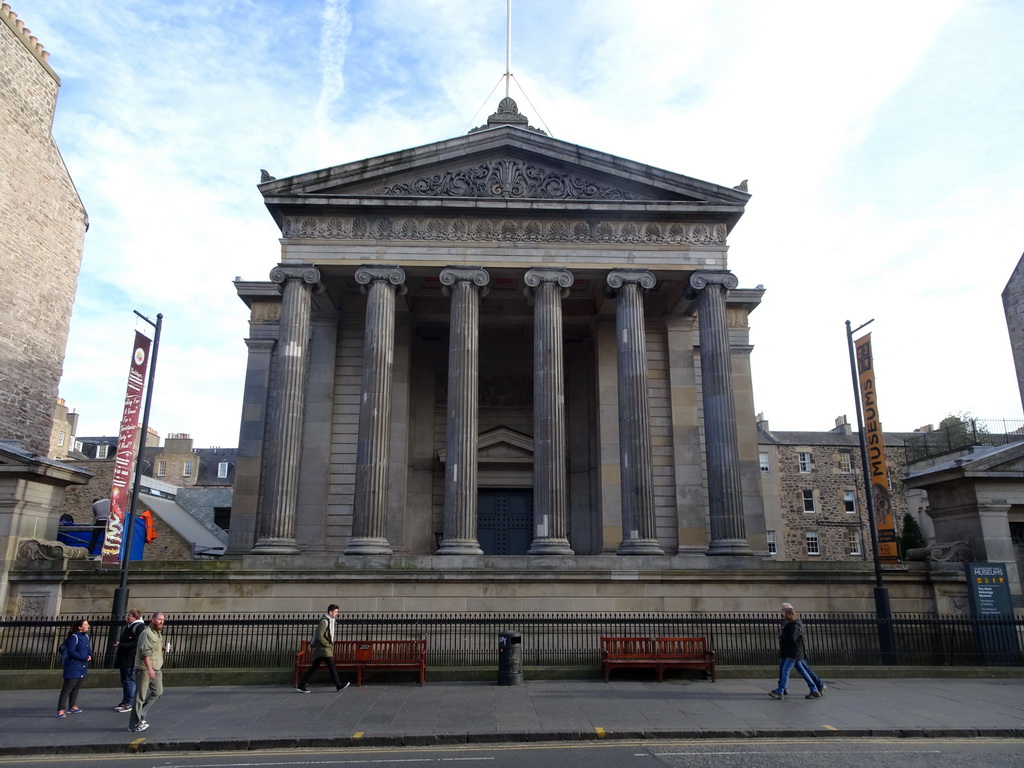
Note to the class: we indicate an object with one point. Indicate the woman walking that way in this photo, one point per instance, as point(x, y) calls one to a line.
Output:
point(791, 654)
point(77, 655)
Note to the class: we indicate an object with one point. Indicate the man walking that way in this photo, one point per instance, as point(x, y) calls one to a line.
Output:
point(124, 659)
point(149, 662)
point(322, 649)
point(100, 513)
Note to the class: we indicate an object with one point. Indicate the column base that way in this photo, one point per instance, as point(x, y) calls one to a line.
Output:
point(550, 547)
point(368, 545)
point(275, 547)
point(639, 547)
point(460, 547)
point(729, 547)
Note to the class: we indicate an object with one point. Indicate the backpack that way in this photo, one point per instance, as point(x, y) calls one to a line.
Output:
point(315, 636)
point(62, 654)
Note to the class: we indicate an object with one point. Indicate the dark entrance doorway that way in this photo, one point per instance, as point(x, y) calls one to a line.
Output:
point(504, 520)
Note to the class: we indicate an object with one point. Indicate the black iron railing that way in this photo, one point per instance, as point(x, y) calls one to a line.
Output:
point(963, 434)
point(206, 641)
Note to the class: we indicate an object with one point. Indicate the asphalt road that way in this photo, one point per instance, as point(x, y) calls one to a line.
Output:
point(757, 753)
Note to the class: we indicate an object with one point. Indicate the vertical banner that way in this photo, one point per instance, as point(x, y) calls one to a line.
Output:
point(878, 470)
point(126, 448)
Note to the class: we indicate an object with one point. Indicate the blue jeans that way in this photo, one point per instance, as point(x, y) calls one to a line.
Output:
point(128, 686)
point(786, 666)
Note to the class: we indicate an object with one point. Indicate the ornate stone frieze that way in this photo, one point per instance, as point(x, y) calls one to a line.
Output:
point(40, 549)
point(265, 312)
point(508, 177)
point(502, 230)
point(944, 552)
point(736, 318)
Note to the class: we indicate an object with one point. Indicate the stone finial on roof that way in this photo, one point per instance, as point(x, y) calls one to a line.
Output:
point(508, 114)
point(30, 40)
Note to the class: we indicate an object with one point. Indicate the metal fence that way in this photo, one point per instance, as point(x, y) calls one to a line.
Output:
point(963, 434)
point(206, 641)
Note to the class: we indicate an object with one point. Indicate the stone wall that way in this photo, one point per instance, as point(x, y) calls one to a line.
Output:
point(1013, 306)
point(42, 226)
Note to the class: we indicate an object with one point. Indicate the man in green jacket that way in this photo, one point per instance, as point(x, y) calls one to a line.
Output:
point(323, 650)
point(149, 662)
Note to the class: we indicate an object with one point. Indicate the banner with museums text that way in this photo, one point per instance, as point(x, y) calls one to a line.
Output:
point(126, 448)
point(878, 470)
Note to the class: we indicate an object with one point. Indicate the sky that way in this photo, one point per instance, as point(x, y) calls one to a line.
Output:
point(882, 142)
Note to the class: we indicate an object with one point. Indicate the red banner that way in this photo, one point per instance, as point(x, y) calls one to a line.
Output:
point(126, 449)
point(881, 496)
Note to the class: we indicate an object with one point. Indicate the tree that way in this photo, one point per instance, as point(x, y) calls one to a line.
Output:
point(911, 538)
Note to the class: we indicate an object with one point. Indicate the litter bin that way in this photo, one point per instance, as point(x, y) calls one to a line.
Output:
point(510, 658)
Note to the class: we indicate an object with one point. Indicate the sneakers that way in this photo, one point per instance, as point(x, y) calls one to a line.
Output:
point(123, 708)
point(62, 714)
point(813, 695)
point(775, 694)
point(822, 690)
point(303, 689)
point(75, 711)
point(343, 687)
point(140, 727)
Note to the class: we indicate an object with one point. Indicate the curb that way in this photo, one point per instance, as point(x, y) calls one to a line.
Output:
point(429, 739)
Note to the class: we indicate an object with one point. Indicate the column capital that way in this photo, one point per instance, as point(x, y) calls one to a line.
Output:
point(538, 275)
point(394, 275)
point(644, 278)
point(705, 277)
point(307, 273)
point(476, 275)
point(260, 345)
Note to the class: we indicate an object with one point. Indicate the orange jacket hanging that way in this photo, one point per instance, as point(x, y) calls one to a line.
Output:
point(150, 526)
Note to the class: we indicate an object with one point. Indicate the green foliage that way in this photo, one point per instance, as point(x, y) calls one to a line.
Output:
point(911, 537)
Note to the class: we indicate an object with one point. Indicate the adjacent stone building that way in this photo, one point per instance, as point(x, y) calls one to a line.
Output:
point(1013, 307)
point(42, 229)
point(814, 492)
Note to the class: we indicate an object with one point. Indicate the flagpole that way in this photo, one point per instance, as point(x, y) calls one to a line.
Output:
point(883, 610)
point(121, 593)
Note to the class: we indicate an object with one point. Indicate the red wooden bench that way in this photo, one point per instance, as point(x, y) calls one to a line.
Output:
point(361, 655)
point(657, 653)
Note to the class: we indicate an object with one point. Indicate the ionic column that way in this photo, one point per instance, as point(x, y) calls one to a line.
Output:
point(636, 476)
point(283, 445)
point(550, 510)
point(465, 285)
point(725, 490)
point(369, 525)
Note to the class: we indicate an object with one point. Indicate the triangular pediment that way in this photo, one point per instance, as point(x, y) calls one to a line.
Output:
point(500, 445)
point(503, 163)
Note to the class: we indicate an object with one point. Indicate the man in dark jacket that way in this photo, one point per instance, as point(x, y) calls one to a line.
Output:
point(791, 654)
point(124, 658)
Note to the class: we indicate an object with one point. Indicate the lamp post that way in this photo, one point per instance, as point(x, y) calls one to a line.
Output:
point(121, 593)
point(886, 640)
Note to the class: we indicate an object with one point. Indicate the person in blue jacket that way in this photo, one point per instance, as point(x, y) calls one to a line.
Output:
point(77, 656)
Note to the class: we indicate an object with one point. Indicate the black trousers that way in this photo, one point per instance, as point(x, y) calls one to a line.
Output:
point(315, 666)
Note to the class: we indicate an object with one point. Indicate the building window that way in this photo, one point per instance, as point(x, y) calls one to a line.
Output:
point(222, 470)
point(773, 547)
point(803, 460)
point(808, 496)
point(811, 537)
point(763, 457)
point(846, 462)
point(850, 502)
point(222, 517)
point(853, 542)
point(187, 471)
point(60, 439)
point(101, 451)
point(161, 468)
point(79, 446)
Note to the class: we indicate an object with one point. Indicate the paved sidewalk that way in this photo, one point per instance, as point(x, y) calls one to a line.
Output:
point(240, 717)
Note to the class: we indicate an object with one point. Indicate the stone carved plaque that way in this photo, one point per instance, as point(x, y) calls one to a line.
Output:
point(502, 230)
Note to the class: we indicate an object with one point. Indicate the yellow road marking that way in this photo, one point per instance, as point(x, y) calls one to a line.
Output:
point(357, 735)
point(134, 745)
point(829, 728)
point(599, 731)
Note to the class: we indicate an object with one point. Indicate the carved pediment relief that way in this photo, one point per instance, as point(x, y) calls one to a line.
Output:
point(509, 178)
point(499, 446)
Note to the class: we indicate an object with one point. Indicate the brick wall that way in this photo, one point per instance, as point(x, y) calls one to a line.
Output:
point(42, 226)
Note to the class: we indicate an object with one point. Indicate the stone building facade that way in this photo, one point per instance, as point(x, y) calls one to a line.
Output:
point(813, 484)
point(1013, 307)
point(501, 344)
point(42, 228)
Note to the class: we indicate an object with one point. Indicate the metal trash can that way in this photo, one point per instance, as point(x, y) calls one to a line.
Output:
point(510, 658)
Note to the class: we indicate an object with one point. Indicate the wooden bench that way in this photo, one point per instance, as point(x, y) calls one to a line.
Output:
point(657, 653)
point(361, 655)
